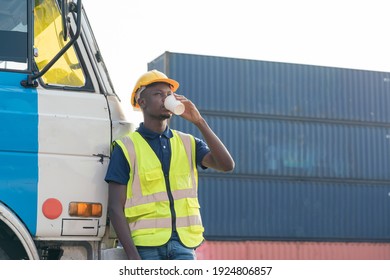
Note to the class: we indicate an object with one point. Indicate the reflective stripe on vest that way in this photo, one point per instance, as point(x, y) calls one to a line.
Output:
point(147, 206)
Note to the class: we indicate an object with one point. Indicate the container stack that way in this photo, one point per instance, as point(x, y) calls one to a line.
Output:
point(312, 152)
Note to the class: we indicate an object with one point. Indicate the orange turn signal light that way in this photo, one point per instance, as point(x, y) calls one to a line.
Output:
point(85, 209)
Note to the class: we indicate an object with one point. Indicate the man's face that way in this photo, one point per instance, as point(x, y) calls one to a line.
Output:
point(152, 100)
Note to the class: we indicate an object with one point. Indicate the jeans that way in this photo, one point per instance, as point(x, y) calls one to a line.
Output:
point(173, 250)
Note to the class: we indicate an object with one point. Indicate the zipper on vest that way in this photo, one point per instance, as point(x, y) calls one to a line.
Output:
point(171, 201)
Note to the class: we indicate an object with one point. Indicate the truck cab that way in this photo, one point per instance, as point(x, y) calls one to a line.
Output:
point(59, 114)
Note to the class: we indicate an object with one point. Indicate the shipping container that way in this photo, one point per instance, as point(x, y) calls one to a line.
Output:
point(311, 146)
point(276, 250)
point(251, 88)
point(238, 207)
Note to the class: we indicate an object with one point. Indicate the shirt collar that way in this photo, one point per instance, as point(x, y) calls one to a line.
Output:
point(147, 133)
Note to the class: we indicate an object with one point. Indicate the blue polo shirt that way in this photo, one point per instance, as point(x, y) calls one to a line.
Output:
point(119, 169)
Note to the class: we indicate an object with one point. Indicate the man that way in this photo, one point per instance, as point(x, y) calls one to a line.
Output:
point(152, 176)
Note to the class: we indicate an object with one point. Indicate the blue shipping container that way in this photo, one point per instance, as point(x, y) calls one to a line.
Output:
point(311, 145)
point(238, 86)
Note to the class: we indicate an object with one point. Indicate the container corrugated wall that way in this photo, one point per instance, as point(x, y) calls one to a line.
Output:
point(243, 208)
point(265, 146)
point(271, 250)
point(311, 145)
point(253, 87)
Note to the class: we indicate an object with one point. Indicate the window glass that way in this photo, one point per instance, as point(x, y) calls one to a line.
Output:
point(13, 34)
point(48, 40)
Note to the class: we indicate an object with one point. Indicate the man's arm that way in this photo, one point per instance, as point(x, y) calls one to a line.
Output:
point(116, 204)
point(219, 157)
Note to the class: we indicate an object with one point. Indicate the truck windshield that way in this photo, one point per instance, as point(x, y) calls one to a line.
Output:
point(49, 41)
point(13, 34)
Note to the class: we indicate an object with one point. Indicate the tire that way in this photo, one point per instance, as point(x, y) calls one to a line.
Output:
point(3, 255)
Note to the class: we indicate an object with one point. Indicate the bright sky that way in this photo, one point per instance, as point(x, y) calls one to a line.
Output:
point(340, 33)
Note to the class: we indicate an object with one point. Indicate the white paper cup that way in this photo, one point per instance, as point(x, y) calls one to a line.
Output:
point(173, 105)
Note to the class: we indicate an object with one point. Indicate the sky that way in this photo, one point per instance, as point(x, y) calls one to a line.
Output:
point(338, 33)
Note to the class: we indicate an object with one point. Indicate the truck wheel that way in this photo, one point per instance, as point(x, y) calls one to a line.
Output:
point(3, 255)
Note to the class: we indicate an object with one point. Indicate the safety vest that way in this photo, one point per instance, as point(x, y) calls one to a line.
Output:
point(147, 207)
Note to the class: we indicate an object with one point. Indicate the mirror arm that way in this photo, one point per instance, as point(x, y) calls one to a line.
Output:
point(30, 82)
point(64, 19)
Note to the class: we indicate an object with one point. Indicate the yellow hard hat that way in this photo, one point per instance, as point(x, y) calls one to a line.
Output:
point(148, 78)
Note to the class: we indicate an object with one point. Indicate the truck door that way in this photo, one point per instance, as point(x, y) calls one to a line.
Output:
point(59, 114)
point(74, 131)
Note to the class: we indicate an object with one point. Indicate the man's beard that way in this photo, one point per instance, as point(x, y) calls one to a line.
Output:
point(165, 116)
